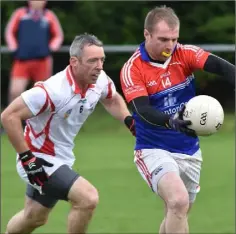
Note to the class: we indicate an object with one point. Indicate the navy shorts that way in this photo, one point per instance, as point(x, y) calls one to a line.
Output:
point(56, 188)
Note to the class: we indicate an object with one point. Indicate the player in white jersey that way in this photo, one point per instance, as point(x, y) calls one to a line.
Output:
point(54, 111)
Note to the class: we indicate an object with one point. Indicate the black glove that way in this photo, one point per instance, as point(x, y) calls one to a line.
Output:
point(177, 123)
point(130, 124)
point(33, 167)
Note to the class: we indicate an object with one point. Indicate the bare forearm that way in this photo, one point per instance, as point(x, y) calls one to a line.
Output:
point(13, 127)
point(117, 107)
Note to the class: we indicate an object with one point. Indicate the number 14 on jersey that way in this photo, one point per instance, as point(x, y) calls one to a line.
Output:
point(166, 82)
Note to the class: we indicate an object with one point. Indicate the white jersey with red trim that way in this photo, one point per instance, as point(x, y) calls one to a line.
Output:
point(60, 110)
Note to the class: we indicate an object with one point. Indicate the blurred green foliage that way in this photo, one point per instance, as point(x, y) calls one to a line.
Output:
point(121, 23)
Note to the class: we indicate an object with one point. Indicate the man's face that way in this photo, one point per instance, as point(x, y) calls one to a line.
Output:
point(89, 65)
point(37, 5)
point(161, 39)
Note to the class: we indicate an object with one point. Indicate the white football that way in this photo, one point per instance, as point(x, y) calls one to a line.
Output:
point(205, 113)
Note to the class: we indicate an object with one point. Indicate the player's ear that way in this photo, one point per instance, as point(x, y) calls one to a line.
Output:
point(73, 61)
point(146, 34)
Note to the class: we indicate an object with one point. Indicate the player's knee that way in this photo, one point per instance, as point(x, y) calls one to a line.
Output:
point(90, 201)
point(83, 195)
point(34, 218)
point(179, 202)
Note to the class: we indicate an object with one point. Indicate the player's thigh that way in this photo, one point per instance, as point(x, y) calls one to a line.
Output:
point(40, 200)
point(60, 180)
point(60, 183)
point(19, 76)
point(83, 194)
point(42, 69)
point(172, 190)
point(35, 211)
point(153, 164)
point(190, 170)
point(56, 188)
point(20, 69)
point(18, 85)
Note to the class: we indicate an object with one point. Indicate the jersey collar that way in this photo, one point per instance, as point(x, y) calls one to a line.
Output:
point(144, 55)
point(72, 83)
point(32, 11)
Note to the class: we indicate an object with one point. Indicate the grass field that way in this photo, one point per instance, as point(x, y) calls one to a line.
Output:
point(104, 151)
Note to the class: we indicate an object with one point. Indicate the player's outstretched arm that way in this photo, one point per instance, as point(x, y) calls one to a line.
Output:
point(117, 107)
point(11, 119)
point(148, 114)
point(221, 67)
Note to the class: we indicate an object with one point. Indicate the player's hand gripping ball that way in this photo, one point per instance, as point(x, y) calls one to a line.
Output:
point(205, 113)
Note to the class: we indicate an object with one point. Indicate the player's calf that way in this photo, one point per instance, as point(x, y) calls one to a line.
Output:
point(33, 216)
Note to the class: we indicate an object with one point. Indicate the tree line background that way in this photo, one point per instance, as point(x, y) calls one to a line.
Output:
point(121, 23)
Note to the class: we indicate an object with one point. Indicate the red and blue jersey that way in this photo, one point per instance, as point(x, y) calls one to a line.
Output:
point(33, 34)
point(168, 86)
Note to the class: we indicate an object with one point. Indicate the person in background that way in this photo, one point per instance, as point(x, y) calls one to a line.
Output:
point(32, 34)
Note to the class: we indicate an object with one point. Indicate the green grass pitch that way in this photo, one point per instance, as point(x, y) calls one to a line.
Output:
point(104, 151)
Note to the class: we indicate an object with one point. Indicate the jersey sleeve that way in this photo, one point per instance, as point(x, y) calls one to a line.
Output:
point(38, 100)
point(132, 83)
point(35, 99)
point(195, 57)
point(109, 90)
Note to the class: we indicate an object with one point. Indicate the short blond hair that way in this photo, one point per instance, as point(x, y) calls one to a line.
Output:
point(158, 14)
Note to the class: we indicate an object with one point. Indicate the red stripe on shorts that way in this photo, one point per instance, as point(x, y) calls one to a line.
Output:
point(142, 166)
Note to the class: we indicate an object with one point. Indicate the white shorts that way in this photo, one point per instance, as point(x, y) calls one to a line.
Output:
point(152, 164)
point(49, 170)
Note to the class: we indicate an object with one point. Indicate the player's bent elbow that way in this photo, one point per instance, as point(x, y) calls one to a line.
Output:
point(142, 112)
point(4, 117)
point(7, 119)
